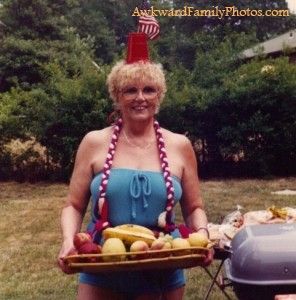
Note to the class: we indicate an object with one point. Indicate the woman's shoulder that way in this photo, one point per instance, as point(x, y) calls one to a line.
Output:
point(176, 139)
point(97, 137)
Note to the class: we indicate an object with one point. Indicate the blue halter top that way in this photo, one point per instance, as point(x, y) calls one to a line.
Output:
point(134, 196)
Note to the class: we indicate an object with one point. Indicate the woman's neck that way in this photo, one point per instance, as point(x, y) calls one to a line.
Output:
point(136, 129)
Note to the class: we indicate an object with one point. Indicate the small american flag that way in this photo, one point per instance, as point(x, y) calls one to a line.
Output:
point(148, 24)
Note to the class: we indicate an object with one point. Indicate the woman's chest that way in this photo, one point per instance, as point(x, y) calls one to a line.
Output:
point(135, 196)
point(140, 159)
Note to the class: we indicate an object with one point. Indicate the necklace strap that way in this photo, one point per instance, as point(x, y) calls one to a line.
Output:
point(165, 218)
point(102, 204)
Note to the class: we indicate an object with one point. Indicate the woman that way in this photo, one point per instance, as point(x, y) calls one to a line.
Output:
point(136, 190)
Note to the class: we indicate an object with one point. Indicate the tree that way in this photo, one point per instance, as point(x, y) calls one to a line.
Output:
point(183, 38)
point(257, 115)
point(244, 17)
point(56, 91)
point(107, 23)
point(35, 32)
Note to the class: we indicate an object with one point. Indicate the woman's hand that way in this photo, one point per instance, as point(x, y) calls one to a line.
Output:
point(67, 249)
point(209, 258)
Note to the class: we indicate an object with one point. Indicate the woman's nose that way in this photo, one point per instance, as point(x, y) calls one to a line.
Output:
point(140, 95)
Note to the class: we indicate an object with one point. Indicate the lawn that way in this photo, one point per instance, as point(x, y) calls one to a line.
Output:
point(30, 234)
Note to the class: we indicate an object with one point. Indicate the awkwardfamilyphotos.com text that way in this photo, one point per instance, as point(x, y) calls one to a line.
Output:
point(214, 11)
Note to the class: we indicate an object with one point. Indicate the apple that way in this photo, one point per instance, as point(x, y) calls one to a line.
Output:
point(113, 246)
point(197, 239)
point(81, 238)
point(89, 248)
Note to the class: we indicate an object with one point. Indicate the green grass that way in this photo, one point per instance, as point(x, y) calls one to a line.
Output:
point(30, 234)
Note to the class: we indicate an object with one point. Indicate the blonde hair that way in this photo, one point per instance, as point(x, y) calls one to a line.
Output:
point(123, 74)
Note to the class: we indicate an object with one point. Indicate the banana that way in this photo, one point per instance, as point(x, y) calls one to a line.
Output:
point(127, 236)
point(278, 212)
point(135, 228)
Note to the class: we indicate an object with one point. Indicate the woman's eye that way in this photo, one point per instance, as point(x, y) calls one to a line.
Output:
point(149, 90)
point(132, 90)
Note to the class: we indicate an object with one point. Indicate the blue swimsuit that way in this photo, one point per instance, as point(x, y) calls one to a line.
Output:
point(138, 197)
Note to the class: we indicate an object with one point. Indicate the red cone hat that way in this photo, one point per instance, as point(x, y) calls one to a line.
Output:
point(137, 48)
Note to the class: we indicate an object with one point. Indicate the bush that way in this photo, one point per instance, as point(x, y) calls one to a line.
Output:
point(25, 161)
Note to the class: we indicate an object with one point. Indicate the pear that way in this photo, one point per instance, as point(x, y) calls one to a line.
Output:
point(113, 246)
point(197, 239)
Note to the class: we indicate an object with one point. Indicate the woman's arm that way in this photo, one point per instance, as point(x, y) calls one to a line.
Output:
point(77, 199)
point(191, 203)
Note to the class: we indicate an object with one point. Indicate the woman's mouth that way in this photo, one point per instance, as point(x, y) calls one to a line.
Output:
point(139, 107)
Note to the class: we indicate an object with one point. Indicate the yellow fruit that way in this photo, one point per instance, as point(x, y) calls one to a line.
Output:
point(128, 237)
point(180, 243)
point(113, 246)
point(197, 239)
point(135, 228)
point(167, 246)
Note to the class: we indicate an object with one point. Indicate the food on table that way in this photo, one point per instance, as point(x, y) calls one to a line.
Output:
point(230, 232)
point(291, 213)
point(235, 219)
point(278, 212)
point(257, 217)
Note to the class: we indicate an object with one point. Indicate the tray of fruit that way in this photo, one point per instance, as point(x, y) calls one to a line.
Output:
point(133, 247)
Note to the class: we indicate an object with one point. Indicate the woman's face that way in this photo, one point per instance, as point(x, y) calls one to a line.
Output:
point(138, 100)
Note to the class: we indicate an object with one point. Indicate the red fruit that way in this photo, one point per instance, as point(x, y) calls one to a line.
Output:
point(81, 238)
point(89, 248)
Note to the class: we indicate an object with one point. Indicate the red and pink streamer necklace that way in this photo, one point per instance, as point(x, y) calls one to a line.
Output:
point(165, 220)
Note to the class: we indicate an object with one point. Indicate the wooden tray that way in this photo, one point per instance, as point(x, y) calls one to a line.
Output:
point(136, 261)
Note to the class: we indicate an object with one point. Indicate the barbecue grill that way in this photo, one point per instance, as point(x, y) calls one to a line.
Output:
point(262, 261)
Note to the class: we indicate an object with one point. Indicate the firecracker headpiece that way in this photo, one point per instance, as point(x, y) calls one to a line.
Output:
point(137, 48)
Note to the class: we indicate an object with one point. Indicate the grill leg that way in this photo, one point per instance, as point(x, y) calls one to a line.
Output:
point(214, 281)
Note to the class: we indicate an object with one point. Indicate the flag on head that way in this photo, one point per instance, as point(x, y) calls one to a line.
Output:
point(148, 23)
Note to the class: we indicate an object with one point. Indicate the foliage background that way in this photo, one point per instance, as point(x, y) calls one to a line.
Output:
point(55, 55)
